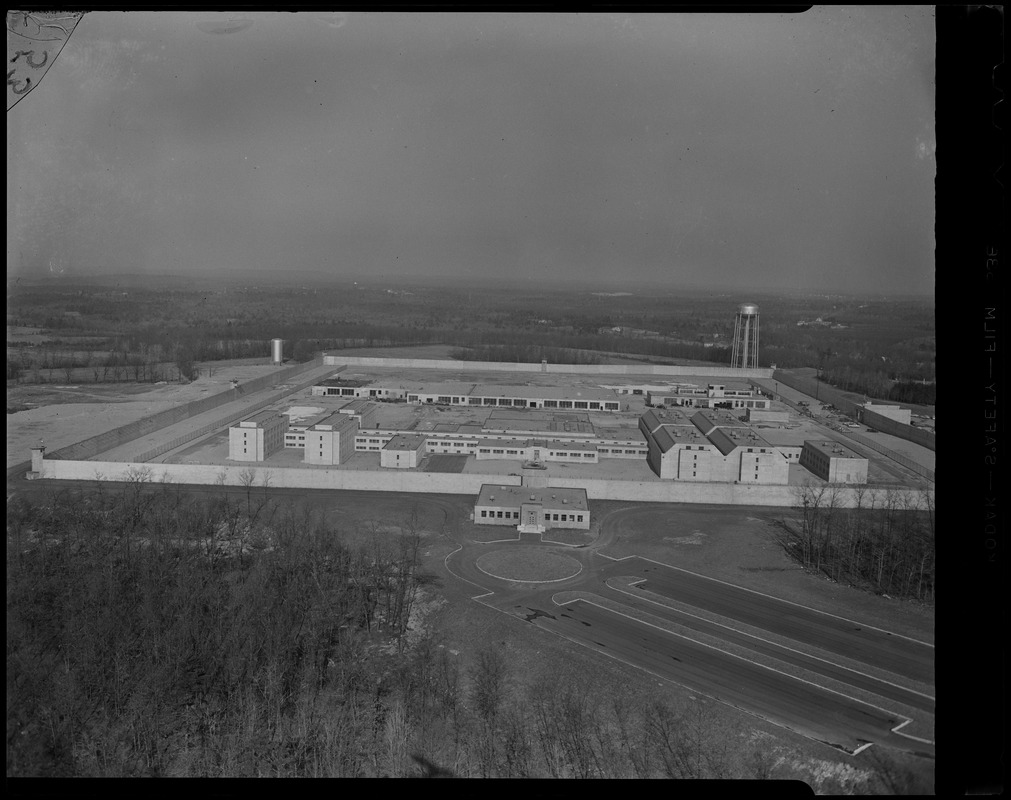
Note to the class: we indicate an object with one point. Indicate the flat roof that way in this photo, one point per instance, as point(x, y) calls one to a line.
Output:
point(304, 423)
point(553, 498)
point(448, 388)
point(784, 437)
point(832, 448)
point(347, 383)
point(355, 406)
point(263, 417)
point(335, 421)
point(544, 392)
point(498, 443)
point(405, 441)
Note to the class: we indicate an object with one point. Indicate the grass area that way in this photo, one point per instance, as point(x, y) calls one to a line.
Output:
point(530, 564)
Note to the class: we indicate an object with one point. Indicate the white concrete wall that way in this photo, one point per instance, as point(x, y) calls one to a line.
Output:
point(576, 369)
point(714, 493)
point(279, 477)
point(442, 483)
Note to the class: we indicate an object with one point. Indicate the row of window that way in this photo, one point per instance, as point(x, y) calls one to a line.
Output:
point(516, 515)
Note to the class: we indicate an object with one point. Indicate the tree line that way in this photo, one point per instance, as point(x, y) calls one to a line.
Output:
point(885, 546)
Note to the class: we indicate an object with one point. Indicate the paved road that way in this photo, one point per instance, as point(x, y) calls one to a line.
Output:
point(866, 644)
point(763, 647)
point(816, 711)
point(829, 717)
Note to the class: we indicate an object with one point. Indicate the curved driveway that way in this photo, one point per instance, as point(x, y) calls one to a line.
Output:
point(619, 627)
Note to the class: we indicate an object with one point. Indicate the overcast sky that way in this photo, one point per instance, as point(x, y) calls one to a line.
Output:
point(789, 151)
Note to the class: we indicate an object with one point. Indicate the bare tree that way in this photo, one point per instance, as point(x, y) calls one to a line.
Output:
point(489, 683)
point(247, 478)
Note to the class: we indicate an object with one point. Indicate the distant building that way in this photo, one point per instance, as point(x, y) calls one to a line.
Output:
point(759, 415)
point(715, 395)
point(530, 509)
point(585, 398)
point(331, 441)
point(833, 462)
point(258, 437)
point(402, 451)
point(897, 413)
point(353, 387)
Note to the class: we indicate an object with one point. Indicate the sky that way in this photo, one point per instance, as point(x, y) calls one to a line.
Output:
point(773, 151)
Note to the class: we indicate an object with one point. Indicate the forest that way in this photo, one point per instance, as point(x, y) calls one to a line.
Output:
point(882, 546)
point(152, 634)
point(133, 329)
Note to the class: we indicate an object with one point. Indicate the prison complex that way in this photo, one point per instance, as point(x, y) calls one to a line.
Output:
point(691, 432)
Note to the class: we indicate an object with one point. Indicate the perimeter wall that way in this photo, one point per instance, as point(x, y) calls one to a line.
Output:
point(558, 369)
point(446, 483)
point(827, 394)
point(872, 419)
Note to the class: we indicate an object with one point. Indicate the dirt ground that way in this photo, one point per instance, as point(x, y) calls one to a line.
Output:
point(65, 414)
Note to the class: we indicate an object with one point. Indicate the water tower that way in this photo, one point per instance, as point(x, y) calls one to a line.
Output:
point(745, 352)
point(277, 351)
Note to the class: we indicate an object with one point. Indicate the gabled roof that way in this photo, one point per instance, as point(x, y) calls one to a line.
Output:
point(663, 439)
point(722, 442)
point(650, 421)
point(702, 421)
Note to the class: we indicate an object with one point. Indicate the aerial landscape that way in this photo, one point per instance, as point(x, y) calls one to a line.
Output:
point(472, 395)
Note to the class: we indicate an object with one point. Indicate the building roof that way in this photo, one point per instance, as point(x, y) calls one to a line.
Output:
point(304, 423)
point(832, 448)
point(594, 393)
point(649, 420)
point(515, 496)
point(346, 383)
point(356, 406)
point(335, 421)
point(500, 443)
point(405, 441)
point(722, 441)
point(448, 388)
point(263, 417)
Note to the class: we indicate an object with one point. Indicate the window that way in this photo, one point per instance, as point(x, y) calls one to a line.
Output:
point(580, 518)
point(564, 518)
point(484, 513)
point(499, 514)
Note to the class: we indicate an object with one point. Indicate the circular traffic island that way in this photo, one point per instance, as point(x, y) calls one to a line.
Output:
point(528, 565)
